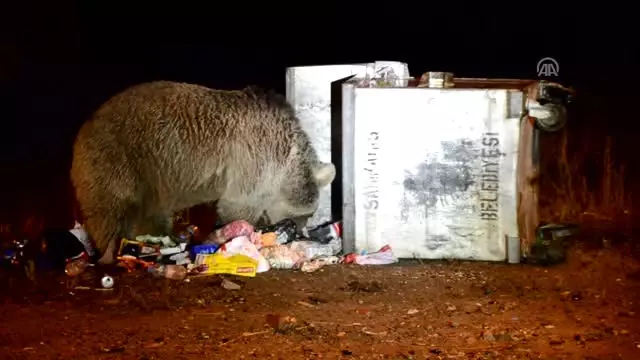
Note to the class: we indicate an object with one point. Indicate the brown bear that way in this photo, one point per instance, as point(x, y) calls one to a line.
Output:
point(160, 147)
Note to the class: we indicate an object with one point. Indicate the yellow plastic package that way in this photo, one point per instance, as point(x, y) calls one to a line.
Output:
point(240, 265)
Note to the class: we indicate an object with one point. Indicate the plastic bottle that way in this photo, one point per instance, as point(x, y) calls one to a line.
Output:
point(189, 233)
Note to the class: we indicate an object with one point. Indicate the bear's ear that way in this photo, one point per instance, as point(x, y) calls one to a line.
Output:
point(324, 174)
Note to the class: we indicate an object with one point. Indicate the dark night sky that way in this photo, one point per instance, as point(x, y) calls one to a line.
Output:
point(61, 63)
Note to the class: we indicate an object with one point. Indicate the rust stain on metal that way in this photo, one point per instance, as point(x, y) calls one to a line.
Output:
point(531, 88)
point(528, 171)
point(473, 83)
point(527, 186)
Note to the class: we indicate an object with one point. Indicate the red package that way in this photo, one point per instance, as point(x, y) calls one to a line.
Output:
point(230, 231)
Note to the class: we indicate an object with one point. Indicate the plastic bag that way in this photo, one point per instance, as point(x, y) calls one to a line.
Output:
point(82, 235)
point(317, 263)
point(324, 233)
point(311, 249)
point(232, 230)
point(384, 256)
point(282, 257)
point(242, 245)
point(286, 231)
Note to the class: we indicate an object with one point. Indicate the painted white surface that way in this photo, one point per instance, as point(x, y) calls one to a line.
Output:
point(309, 92)
point(411, 125)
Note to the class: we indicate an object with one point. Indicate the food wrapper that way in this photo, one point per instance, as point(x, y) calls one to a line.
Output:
point(139, 250)
point(132, 263)
point(204, 249)
point(384, 256)
point(173, 250)
point(317, 263)
point(244, 246)
point(311, 249)
point(218, 263)
point(257, 239)
point(182, 258)
point(286, 231)
point(232, 230)
point(162, 241)
point(269, 239)
point(282, 257)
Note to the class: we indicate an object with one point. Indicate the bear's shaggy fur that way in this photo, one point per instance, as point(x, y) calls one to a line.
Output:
point(160, 147)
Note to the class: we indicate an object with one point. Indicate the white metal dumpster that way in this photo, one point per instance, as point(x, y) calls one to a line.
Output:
point(309, 92)
point(431, 172)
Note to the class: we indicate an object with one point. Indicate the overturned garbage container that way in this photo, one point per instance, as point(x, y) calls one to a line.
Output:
point(443, 172)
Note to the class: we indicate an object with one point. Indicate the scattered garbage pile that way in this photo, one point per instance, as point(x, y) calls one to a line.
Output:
point(241, 249)
point(53, 249)
point(237, 248)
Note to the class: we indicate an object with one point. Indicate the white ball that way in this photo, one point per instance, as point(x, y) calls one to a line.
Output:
point(107, 282)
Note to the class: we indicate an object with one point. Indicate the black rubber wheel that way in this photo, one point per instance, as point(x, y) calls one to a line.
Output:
point(555, 122)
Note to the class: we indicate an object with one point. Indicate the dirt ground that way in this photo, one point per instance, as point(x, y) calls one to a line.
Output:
point(586, 308)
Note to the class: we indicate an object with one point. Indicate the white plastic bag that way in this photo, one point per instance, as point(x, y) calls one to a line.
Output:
point(79, 232)
point(243, 245)
point(282, 256)
point(384, 256)
point(312, 249)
